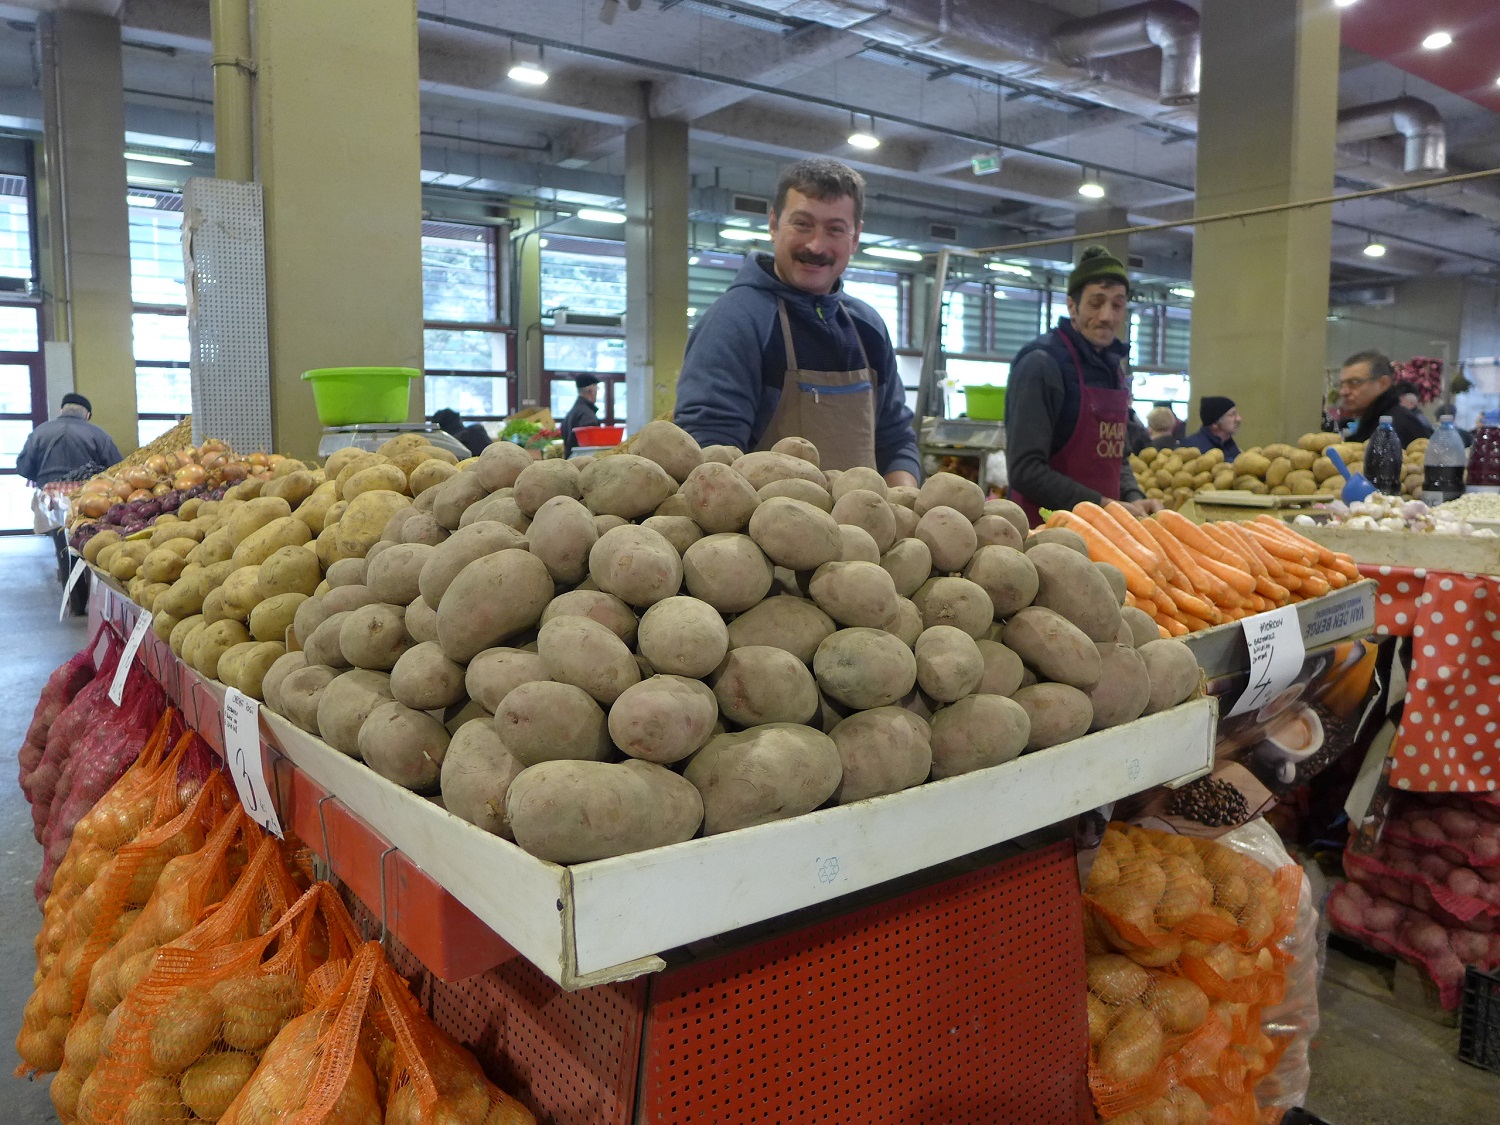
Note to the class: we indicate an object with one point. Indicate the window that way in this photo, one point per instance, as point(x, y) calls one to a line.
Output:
point(883, 292)
point(560, 392)
point(458, 273)
point(468, 369)
point(583, 275)
point(964, 319)
point(1176, 338)
point(159, 325)
point(15, 228)
point(597, 355)
point(1017, 319)
point(156, 267)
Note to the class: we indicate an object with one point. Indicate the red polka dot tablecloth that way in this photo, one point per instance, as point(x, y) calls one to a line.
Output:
point(1449, 739)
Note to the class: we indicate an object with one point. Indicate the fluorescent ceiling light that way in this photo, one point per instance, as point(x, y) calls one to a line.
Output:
point(692, 311)
point(1182, 291)
point(1008, 267)
point(861, 139)
point(1345, 3)
point(153, 158)
point(527, 73)
point(591, 215)
point(1437, 41)
point(893, 253)
point(693, 261)
point(1091, 188)
point(1375, 250)
point(140, 200)
point(739, 234)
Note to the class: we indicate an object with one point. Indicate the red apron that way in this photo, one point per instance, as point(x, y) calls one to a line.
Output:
point(1092, 456)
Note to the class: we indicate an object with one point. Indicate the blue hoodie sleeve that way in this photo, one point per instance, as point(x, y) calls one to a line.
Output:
point(720, 389)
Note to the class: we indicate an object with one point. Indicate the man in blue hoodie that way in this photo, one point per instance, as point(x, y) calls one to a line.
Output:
point(786, 353)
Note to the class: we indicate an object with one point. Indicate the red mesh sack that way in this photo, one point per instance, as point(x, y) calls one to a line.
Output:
point(67, 728)
point(97, 761)
point(1463, 831)
point(190, 1033)
point(65, 682)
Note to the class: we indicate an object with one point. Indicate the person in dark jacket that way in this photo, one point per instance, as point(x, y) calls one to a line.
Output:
point(1221, 421)
point(583, 412)
point(1162, 423)
point(66, 443)
point(1410, 398)
point(472, 437)
point(1367, 390)
point(1067, 399)
point(787, 353)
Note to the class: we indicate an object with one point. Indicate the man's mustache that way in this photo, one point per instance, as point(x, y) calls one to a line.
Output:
point(813, 259)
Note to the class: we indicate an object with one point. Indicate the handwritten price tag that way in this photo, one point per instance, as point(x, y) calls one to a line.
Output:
point(242, 753)
point(1276, 656)
point(127, 658)
point(73, 576)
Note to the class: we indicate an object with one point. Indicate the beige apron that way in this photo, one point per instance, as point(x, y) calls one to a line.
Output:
point(835, 410)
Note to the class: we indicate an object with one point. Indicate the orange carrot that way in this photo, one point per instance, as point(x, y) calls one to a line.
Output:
point(1107, 526)
point(1132, 527)
point(1280, 546)
point(1190, 603)
point(1313, 584)
point(1336, 578)
point(1242, 582)
point(1199, 579)
point(1164, 603)
point(1194, 624)
point(1130, 599)
point(1273, 591)
point(1224, 534)
point(1320, 554)
point(1174, 627)
point(1192, 536)
point(1101, 549)
point(1267, 560)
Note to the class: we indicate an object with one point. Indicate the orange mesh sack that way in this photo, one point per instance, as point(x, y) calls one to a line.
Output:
point(188, 885)
point(62, 971)
point(190, 1036)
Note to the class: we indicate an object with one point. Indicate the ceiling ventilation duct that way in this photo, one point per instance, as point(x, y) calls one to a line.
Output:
point(1412, 118)
point(1166, 24)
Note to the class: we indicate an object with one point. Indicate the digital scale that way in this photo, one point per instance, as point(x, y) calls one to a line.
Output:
point(372, 435)
point(968, 439)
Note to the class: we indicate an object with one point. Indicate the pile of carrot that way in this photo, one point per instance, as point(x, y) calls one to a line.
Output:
point(1190, 576)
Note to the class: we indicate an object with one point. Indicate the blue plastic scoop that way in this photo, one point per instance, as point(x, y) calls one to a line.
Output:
point(1356, 485)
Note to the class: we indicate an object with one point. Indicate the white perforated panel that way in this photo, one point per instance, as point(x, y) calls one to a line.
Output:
point(223, 245)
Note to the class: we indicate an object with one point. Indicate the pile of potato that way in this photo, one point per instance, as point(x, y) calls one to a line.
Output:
point(1173, 476)
point(603, 655)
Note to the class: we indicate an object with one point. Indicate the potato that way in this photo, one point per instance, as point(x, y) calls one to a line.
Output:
point(996, 531)
point(949, 664)
point(422, 528)
point(1006, 575)
point(492, 599)
point(360, 526)
point(881, 751)
point(957, 602)
point(858, 594)
point(212, 642)
point(858, 545)
point(949, 535)
point(495, 672)
point(625, 485)
point(868, 510)
point(669, 446)
point(163, 564)
point(255, 514)
point(346, 572)
point(180, 633)
point(314, 510)
point(291, 569)
point(186, 1026)
point(432, 474)
point(1011, 512)
point(1115, 577)
point(454, 497)
point(424, 679)
point(404, 745)
point(604, 608)
point(322, 646)
point(561, 535)
point(864, 668)
point(1173, 670)
point(301, 693)
point(636, 564)
point(784, 622)
point(573, 812)
point(683, 637)
point(229, 663)
point(582, 652)
point(851, 480)
point(764, 774)
point(476, 776)
point(951, 491)
point(542, 480)
point(909, 563)
point(309, 615)
point(719, 499)
point(1003, 669)
point(761, 468)
point(680, 531)
point(1061, 535)
point(1142, 628)
point(372, 478)
point(795, 488)
point(394, 575)
point(1124, 687)
point(463, 547)
point(663, 719)
point(500, 464)
point(344, 705)
point(1068, 584)
point(728, 571)
point(499, 508)
point(907, 624)
point(795, 534)
point(285, 665)
point(1054, 646)
point(674, 505)
point(977, 732)
point(760, 684)
point(798, 447)
point(1058, 713)
point(374, 636)
point(270, 619)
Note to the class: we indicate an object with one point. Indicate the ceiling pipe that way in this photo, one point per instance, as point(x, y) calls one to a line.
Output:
point(1168, 25)
point(1418, 122)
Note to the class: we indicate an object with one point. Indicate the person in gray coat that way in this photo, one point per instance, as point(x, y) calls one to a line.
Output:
point(67, 443)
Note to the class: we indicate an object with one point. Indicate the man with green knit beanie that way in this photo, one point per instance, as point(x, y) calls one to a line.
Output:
point(1068, 400)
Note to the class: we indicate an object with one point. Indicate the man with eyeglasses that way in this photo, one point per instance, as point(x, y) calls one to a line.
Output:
point(787, 353)
point(1367, 390)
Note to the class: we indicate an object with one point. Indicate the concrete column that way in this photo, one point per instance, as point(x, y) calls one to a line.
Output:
point(88, 231)
point(1266, 122)
point(1089, 222)
point(339, 161)
point(656, 267)
point(526, 277)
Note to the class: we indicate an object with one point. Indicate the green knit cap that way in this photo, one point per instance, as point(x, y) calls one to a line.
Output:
point(1097, 264)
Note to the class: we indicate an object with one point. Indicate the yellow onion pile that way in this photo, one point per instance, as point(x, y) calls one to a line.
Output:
point(210, 465)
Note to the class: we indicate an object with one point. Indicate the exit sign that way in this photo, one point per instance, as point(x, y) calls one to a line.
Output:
point(986, 164)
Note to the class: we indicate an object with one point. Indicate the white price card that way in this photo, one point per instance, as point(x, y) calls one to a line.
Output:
point(242, 753)
point(1276, 656)
point(127, 658)
point(73, 576)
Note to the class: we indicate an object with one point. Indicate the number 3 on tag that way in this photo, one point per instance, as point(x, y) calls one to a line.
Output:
point(242, 754)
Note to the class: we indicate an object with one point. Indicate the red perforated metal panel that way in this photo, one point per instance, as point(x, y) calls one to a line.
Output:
point(958, 1004)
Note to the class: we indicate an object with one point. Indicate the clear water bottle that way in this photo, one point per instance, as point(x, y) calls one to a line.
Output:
point(1443, 464)
point(1383, 458)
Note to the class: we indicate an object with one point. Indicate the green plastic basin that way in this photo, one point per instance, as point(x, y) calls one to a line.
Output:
point(349, 396)
point(985, 402)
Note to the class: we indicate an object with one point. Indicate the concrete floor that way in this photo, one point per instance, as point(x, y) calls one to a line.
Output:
point(1373, 1063)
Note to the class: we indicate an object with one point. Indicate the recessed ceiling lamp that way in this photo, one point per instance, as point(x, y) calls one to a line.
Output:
point(1008, 267)
point(153, 158)
point(740, 234)
point(893, 253)
point(527, 73)
point(863, 138)
point(140, 200)
point(1091, 187)
point(589, 214)
point(1185, 291)
point(1345, 3)
point(1437, 41)
point(1374, 249)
